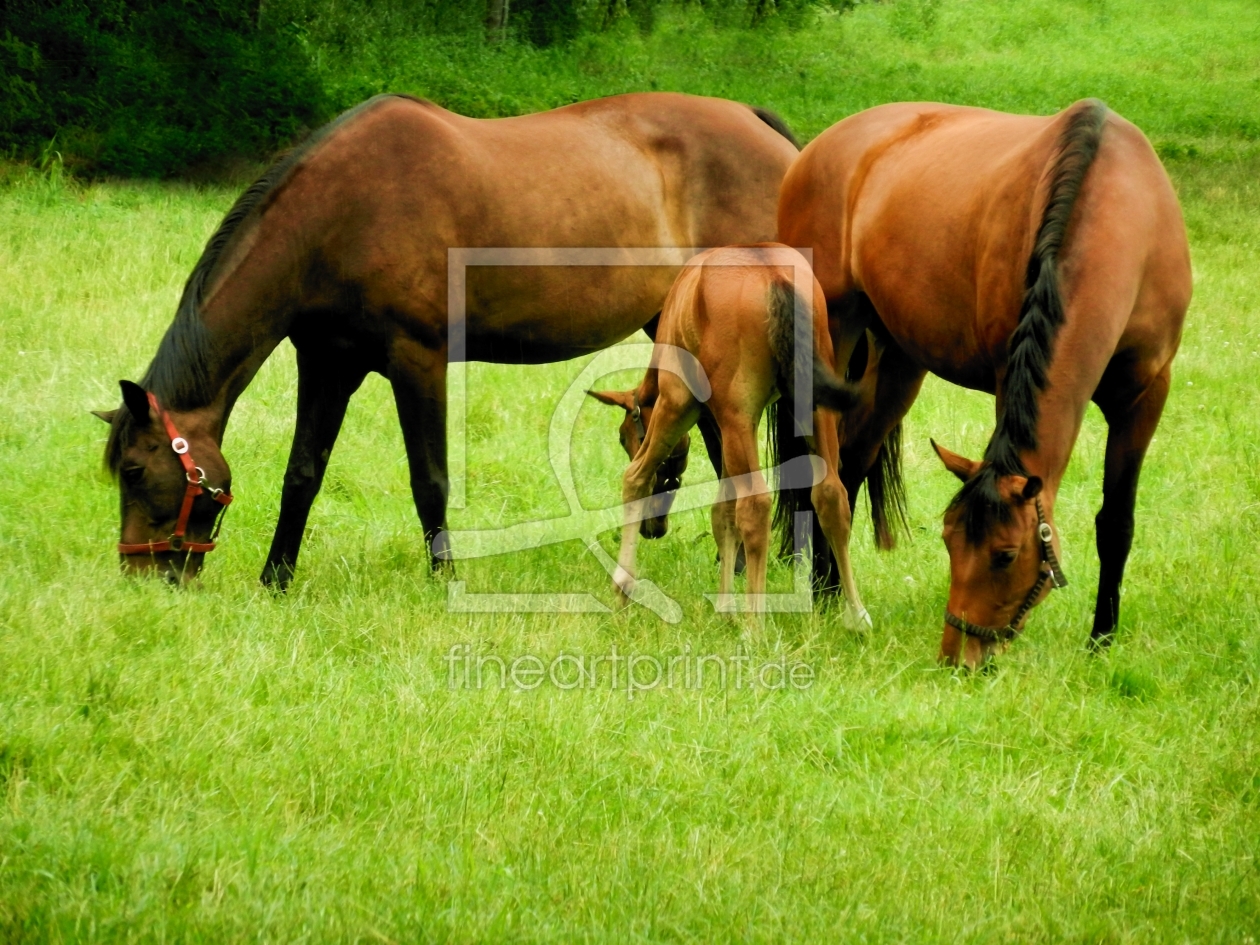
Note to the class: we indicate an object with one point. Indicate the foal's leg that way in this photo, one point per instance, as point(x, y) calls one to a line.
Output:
point(418, 376)
point(741, 465)
point(713, 446)
point(674, 414)
point(726, 534)
point(325, 385)
point(831, 505)
point(1129, 431)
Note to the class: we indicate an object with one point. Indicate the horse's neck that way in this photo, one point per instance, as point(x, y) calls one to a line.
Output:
point(649, 388)
point(246, 317)
point(1058, 425)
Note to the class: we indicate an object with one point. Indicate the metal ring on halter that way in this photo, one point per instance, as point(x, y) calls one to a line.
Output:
point(636, 414)
point(201, 477)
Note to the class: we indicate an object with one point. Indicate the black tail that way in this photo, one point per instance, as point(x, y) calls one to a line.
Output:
point(887, 492)
point(785, 332)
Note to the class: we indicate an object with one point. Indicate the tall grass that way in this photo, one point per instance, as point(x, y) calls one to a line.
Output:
point(221, 764)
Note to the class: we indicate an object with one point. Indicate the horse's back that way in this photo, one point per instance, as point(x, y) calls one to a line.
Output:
point(390, 188)
point(611, 164)
point(932, 211)
point(719, 308)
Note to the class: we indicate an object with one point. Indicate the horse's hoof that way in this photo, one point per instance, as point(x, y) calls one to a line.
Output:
point(859, 620)
point(276, 577)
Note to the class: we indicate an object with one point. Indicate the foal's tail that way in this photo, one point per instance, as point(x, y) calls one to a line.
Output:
point(786, 333)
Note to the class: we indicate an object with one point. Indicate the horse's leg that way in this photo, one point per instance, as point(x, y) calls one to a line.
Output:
point(741, 463)
point(418, 375)
point(673, 415)
point(896, 387)
point(831, 506)
point(726, 534)
point(1129, 431)
point(713, 446)
point(849, 316)
point(325, 385)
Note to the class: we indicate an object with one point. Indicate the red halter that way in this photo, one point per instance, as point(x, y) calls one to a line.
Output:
point(197, 484)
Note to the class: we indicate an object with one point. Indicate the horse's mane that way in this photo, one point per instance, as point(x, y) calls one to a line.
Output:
point(777, 123)
point(1031, 345)
point(179, 374)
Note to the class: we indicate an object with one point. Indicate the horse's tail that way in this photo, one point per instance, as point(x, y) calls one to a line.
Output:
point(785, 332)
point(887, 491)
point(1041, 315)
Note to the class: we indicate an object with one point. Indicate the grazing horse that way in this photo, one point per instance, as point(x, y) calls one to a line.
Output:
point(1041, 259)
point(733, 310)
point(342, 248)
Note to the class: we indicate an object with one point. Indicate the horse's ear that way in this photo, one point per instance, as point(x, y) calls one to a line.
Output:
point(960, 466)
point(106, 415)
point(614, 398)
point(136, 401)
point(1032, 488)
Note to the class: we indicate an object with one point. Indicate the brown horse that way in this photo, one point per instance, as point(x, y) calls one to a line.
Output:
point(1040, 259)
point(734, 311)
point(342, 248)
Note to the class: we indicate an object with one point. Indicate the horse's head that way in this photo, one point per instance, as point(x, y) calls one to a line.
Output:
point(174, 484)
point(668, 474)
point(1002, 559)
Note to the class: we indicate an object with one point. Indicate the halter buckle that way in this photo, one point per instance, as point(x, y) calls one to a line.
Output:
point(636, 414)
point(1045, 532)
point(179, 445)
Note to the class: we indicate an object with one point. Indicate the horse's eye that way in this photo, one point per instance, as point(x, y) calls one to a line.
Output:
point(132, 474)
point(1003, 560)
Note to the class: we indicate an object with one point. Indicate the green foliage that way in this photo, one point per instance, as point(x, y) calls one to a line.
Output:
point(150, 87)
point(155, 87)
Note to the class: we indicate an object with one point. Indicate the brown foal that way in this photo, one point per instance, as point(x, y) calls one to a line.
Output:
point(728, 342)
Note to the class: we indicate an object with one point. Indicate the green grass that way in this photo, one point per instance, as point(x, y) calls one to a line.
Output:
point(1186, 72)
point(219, 764)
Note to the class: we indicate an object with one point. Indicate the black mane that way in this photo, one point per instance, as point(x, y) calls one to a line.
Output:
point(1031, 345)
point(778, 124)
point(179, 374)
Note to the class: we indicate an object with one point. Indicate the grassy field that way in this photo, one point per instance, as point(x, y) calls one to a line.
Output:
point(221, 764)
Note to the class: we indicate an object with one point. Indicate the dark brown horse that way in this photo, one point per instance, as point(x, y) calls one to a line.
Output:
point(342, 248)
point(1040, 259)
